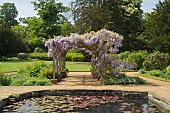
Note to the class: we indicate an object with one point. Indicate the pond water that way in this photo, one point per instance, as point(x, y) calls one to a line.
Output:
point(79, 104)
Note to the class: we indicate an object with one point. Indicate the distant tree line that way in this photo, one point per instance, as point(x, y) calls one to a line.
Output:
point(141, 31)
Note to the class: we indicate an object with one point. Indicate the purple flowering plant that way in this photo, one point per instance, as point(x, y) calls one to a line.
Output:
point(98, 43)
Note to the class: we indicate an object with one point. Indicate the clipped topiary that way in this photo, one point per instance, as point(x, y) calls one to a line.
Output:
point(22, 56)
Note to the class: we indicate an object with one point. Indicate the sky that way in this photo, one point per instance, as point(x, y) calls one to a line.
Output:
point(25, 7)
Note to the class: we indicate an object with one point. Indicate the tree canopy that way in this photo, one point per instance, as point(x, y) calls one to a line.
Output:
point(157, 27)
point(121, 16)
point(8, 14)
point(149, 31)
point(10, 42)
point(51, 15)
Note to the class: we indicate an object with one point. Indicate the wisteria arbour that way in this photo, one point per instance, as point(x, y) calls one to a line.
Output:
point(98, 43)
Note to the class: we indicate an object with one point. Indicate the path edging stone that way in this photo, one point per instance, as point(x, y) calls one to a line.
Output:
point(160, 104)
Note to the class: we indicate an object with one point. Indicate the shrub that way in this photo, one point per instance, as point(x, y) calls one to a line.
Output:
point(40, 56)
point(13, 59)
point(38, 50)
point(10, 42)
point(69, 57)
point(141, 71)
point(22, 56)
point(168, 68)
point(19, 79)
point(75, 51)
point(8, 59)
point(124, 55)
point(26, 80)
point(43, 82)
point(30, 82)
point(78, 58)
point(46, 72)
point(156, 61)
point(122, 80)
point(166, 75)
point(33, 76)
point(156, 73)
point(138, 58)
point(5, 80)
point(3, 58)
point(35, 69)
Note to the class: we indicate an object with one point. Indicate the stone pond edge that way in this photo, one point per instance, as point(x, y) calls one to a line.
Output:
point(129, 94)
point(159, 103)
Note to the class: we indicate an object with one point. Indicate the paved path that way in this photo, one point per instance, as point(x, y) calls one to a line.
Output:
point(75, 80)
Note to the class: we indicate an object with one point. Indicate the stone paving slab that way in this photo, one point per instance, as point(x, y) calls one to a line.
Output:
point(158, 89)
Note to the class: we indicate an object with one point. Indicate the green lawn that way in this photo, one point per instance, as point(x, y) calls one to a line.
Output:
point(16, 66)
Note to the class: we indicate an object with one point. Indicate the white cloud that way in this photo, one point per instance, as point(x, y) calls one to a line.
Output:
point(148, 5)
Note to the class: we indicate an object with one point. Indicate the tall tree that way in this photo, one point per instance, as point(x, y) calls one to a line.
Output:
point(11, 42)
point(51, 14)
point(122, 16)
point(35, 32)
point(157, 27)
point(8, 14)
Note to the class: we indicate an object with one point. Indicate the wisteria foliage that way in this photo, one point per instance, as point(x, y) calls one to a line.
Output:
point(98, 43)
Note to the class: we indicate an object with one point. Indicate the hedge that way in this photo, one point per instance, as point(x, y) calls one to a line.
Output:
point(76, 57)
point(40, 56)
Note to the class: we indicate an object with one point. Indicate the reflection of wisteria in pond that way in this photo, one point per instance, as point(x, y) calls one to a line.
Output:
point(80, 104)
point(29, 107)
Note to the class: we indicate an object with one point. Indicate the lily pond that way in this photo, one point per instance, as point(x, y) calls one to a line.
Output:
point(79, 104)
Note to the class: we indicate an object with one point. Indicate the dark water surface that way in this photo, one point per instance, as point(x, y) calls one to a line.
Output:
point(79, 104)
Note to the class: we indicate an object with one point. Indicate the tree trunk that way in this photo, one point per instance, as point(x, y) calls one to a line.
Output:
point(54, 66)
point(64, 62)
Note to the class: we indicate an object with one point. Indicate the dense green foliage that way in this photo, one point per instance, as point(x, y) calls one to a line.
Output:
point(138, 58)
point(156, 61)
point(8, 13)
point(157, 74)
point(21, 79)
point(121, 16)
point(49, 23)
point(148, 31)
point(122, 80)
point(5, 80)
point(42, 70)
point(8, 59)
point(71, 56)
point(10, 43)
point(147, 61)
point(26, 80)
point(40, 56)
point(34, 70)
point(168, 68)
point(51, 16)
point(34, 75)
point(79, 57)
point(157, 27)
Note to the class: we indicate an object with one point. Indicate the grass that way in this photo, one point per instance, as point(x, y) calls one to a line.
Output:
point(17, 65)
point(77, 66)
